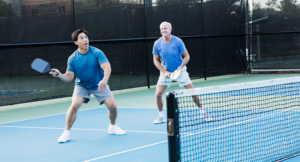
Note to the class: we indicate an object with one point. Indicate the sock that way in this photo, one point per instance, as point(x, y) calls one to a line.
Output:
point(67, 132)
point(161, 113)
point(112, 125)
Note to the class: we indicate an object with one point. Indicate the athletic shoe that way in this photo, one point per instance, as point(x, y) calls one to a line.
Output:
point(64, 137)
point(205, 116)
point(114, 129)
point(159, 120)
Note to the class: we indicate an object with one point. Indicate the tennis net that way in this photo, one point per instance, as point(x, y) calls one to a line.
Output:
point(254, 121)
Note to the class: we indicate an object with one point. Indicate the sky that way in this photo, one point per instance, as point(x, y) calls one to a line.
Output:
point(262, 2)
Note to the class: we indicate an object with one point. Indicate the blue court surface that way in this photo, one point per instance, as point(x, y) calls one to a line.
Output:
point(35, 140)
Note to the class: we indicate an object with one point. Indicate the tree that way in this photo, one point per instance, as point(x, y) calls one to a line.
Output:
point(5, 9)
point(285, 8)
point(272, 3)
point(289, 8)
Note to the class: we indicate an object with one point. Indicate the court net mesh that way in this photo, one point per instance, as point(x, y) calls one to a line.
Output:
point(255, 121)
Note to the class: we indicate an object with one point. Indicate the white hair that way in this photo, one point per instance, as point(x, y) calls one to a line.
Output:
point(166, 23)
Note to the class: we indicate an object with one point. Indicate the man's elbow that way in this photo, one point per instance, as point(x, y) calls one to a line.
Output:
point(69, 80)
point(156, 61)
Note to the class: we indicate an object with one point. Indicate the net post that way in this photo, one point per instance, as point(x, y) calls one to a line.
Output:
point(173, 128)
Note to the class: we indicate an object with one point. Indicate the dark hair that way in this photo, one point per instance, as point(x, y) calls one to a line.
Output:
point(76, 33)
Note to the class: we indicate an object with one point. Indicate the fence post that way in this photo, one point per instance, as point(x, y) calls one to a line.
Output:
point(75, 19)
point(173, 128)
point(147, 62)
point(203, 41)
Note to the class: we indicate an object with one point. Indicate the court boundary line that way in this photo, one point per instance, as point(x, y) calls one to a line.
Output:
point(180, 137)
point(76, 129)
point(102, 108)
point(289, 157)
point(185, 136)
point(101, 157)
point(66, 112)
point(146, 132)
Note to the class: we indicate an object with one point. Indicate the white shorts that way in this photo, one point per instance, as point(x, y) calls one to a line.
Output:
point(182, 80)
point(85, 93)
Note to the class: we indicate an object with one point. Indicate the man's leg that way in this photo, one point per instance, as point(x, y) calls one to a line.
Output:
point(195, 98)
point(112, 114)
point(72, 111)
point(112, 109)
point(160, 89)
point(198, 103)
point(71, 117)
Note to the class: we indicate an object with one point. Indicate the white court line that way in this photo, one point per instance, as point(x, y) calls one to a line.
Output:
point(78, 129)
point(181, 137)
point(78, 111)
point(125, 151)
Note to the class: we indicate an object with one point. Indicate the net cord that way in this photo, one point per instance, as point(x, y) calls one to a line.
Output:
point(231, 87)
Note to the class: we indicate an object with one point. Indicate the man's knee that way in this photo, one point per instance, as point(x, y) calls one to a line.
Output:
point(74, 107)
point(158, 95)
point(113, 106)
point(76, 103)
point(189, 86)
point(110, 103)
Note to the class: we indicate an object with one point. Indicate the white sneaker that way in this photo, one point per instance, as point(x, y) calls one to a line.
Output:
point(64, 137)
point(205, 116)
point(114, 129)
point(159, 120)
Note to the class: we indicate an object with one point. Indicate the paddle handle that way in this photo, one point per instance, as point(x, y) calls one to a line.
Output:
point(56, 74)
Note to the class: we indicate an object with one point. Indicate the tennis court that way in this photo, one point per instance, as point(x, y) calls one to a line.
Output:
point(227, 41)
point(30, 133)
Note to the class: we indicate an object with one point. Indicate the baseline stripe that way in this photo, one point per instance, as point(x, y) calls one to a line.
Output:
point(78, 129)
point(125, 151)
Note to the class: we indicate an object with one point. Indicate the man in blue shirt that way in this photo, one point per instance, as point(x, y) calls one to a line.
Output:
point(92, 70)
point(167, 56)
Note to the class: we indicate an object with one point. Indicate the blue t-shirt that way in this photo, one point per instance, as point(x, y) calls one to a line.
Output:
point(169, 53)
point(87, 67)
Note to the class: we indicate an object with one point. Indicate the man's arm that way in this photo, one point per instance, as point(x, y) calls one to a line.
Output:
point(107, 70)
point(67, 77)
point(186, 58)
point(156, 60)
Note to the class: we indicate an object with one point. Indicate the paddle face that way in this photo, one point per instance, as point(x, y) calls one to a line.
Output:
point(175, 74)
point(40, 65)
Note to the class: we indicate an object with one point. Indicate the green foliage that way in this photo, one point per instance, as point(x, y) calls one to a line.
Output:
point(258, 10)
point(272, 3)
point(282, 8)
point(4, 9)
point(289, 8)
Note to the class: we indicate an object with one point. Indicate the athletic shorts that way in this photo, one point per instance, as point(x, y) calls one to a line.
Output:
point(85, 93)
point(182, 80)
